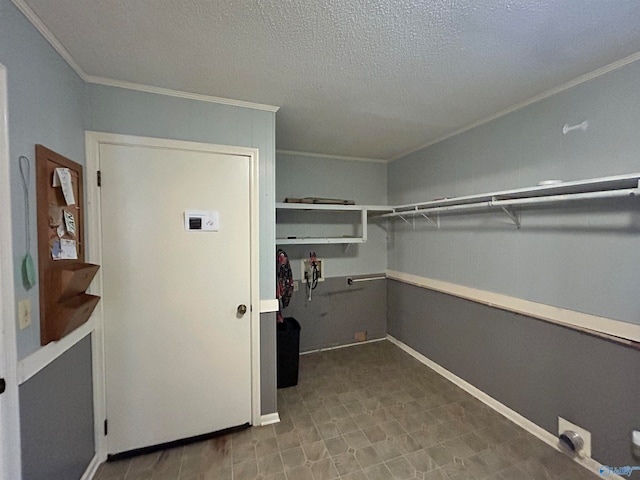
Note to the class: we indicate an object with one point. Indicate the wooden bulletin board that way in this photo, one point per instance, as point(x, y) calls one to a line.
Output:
point(64, 276)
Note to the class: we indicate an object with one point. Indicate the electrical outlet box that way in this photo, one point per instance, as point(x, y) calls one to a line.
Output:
point(306, 270)
point(564, 425)
point(24, 313)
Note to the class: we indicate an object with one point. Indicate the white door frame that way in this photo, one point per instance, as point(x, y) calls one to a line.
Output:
point(93, 140)
point(10, 451)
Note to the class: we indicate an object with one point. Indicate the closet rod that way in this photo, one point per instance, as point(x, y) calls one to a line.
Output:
point(627, 192)
point(542, 190)
point(364, 279)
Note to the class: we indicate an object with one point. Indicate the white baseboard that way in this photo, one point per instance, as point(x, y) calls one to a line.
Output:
point(534, 429)
point(92, 468)
point(342, 346)
point(269, 419)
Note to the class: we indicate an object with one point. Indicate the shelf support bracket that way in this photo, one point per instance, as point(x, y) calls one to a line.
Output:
point(363, 221)
point(513, 215)
point(405, 220)
point(435, 222)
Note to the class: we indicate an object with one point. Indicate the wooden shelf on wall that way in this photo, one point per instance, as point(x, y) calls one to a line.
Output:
point(72, 280)
point(64, 277)
point(64, 317)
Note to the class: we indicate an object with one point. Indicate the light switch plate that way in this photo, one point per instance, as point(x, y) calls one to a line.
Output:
point(201, 220)
point(24, 313)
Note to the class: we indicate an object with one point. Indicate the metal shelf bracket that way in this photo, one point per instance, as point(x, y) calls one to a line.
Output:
point(513, 215)
point(407, 221)
point(436, 222)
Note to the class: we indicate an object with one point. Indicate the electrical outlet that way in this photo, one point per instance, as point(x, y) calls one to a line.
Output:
point(635, 444)
point(296, 286)
point(24, 313)
point(306, 270)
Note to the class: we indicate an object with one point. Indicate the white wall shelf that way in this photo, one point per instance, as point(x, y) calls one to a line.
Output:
point(510, 200)
point(364, 211)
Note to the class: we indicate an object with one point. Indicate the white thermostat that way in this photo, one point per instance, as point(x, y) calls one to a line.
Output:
point(202, 220)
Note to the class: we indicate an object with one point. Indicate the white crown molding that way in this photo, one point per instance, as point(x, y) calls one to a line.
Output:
point(50, 37)
point(178, 93)
point(64, 53)
point(561, 88)
point(332, 157)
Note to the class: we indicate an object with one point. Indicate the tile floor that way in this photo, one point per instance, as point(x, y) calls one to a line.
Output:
point(367, 412)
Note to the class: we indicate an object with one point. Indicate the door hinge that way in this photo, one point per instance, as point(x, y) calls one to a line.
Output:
point(106, 427)
point(99, 178)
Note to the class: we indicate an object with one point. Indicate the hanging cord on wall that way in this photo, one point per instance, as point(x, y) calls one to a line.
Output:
point(312, 279)
point(28, 271)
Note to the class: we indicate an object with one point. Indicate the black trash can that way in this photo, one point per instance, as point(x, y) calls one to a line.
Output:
point(288, 341)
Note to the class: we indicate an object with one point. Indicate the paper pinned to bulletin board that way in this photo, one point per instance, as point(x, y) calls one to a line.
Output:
point(62, 219)
point(62, 178)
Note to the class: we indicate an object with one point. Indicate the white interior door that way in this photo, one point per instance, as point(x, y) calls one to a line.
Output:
point(177, 350)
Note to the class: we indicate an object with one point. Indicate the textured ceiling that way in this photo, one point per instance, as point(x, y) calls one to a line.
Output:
point(358, 78)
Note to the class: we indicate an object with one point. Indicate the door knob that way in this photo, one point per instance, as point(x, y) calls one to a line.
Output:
point(242, 309)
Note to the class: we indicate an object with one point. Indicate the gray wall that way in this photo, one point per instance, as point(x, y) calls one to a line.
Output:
point(336, 311)
point(538, 369)
point(268, 372)
point(46, 101)
point(364, 182)
point(57, 418)
point(581, 258)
